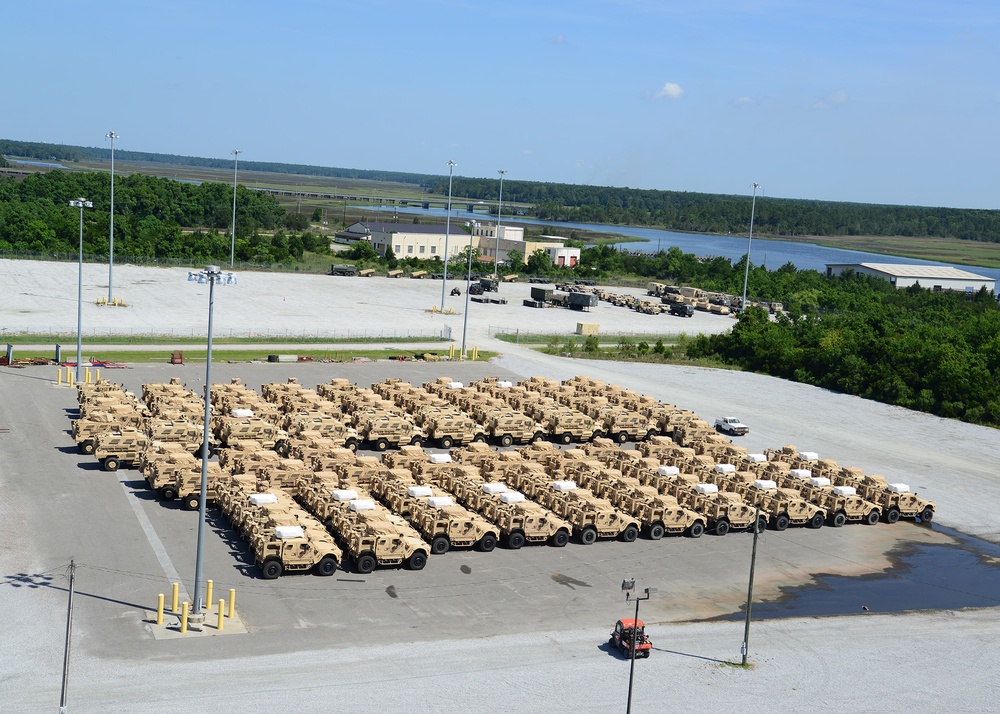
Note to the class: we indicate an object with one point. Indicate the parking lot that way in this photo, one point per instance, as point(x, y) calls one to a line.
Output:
point(475, 631)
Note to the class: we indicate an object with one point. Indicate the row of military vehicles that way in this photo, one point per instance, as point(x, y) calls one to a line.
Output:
point(289, 481)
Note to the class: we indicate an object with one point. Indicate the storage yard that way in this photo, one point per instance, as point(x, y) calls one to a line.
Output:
point(487, 622)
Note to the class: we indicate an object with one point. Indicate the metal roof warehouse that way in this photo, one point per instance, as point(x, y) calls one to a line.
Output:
point(932, 277)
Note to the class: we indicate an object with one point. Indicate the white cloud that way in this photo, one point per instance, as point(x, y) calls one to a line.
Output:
point(744, 100)
point(832, 100)
point(671, 90)
point(559, 39)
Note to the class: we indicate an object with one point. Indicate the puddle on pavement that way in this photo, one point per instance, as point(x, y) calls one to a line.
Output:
point(962, 573)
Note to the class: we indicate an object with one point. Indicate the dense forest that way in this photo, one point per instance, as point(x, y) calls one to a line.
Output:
point(715, 213)
point(150, 217)
point(933, 352)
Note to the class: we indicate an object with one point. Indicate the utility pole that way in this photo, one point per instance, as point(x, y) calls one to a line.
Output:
point(745, 649)
point(69, 637)
point(746, 273)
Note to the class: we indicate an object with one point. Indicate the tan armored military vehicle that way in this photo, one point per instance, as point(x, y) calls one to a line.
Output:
point(895, 499)
point(293, 548)
point(188, 434)
point(447, 525)
point(723, 510)
point(378, 541)
point(591, 517)
point(120, 447)
point(784, 507)
point(385, 429)
point(507, 427)
point(451, 427)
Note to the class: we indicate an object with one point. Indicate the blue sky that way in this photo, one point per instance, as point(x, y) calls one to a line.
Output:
point(871, 101)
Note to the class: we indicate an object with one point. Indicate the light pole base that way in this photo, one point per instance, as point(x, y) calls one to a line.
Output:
point(196, 622)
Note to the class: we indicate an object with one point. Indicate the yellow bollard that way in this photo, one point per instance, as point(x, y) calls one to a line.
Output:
point(451, 351)
point(475, 353)
point(222, 614)
point(173, 601)
point(184, 618)
point(69, 376)
point(208, 596)
point(159, 609)
point(232, 603)
point(59, 377)
point(97, 375)
point(86, 375)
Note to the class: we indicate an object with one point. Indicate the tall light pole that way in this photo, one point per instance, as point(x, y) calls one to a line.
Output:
point(236, 165)
point(628, 586)
point(746, 274)
point(745, 648)
point(447, 231)
point(80, 203)
point(111, 239)
point(468, 283)
point(496, 251)
point(212, 275)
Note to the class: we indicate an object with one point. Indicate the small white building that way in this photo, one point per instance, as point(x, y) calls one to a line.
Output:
point(407, 240)
point(931, 277)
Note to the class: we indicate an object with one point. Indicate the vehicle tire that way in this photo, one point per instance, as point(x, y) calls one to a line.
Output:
point(892, 515)
point(656, 531)
point(597, 435)
point(761, 524)
point(696, 529)
point(416, 441)
point(621, 437)
point(351, 444)
point(560, 538)
point(838, 519)
point(630, 533)
point(718, 428)
point(515, 541)
point(417, 561)
point(381, 444)
point(271, 569)
point(816, 521)
point(650, 434)
point(487, 543)
point(366, 563)
point(446, 442)
point(927, 515)
point(192, 503)
point(588, 536)
point(538, 436)
point(506, 440)
point(440, 544)
point(566, 438)
point(86, 447)
point(167, 493)
point(781, 522)
point(327, 566)
point(873, 517)
point(721, 527)
point(479, 438)
point(110, 463)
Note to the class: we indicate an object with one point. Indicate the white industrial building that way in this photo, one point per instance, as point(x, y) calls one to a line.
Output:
point(931, 277)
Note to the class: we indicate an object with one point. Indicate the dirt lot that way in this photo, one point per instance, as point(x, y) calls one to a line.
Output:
point(479, 632)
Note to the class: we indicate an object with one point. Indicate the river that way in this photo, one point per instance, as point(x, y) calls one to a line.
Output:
point(770, 253)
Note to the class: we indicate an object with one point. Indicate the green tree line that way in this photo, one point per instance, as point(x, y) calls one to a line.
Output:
point(61, 152)
point(154, 218)
point(932, 352)
point(722, 214)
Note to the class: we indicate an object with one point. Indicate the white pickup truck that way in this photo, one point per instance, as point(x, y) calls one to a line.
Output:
point(731, 426)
